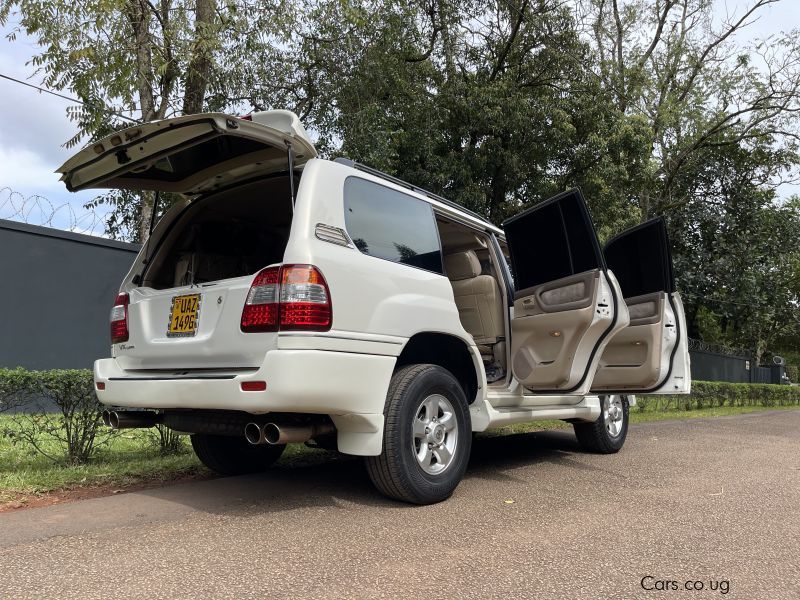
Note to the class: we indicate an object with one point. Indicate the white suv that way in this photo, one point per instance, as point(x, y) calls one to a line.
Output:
point(288, 298)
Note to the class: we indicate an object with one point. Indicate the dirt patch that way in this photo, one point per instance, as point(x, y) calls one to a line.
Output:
point(19, 500)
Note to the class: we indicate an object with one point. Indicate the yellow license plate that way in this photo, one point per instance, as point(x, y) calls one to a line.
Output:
point(183, 316)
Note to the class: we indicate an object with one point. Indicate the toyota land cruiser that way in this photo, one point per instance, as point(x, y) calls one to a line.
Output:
point(288, 298)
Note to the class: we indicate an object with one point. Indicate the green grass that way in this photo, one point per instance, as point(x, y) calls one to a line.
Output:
point(639, 416)
point(128, 458)
point(131, 457)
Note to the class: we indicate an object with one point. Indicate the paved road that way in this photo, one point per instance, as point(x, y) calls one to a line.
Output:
point(703, 500)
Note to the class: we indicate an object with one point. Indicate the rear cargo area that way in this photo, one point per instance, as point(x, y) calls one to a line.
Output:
point(229, 234)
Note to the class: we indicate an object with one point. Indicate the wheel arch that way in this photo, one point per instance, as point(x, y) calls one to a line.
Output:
point(449, 352)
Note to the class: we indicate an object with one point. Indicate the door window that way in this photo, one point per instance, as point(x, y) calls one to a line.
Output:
point(552, 240)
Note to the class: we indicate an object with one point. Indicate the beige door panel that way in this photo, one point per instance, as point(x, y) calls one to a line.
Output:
point(634, 357)
point(646, 310)
point(568, 293)
point(555, 329)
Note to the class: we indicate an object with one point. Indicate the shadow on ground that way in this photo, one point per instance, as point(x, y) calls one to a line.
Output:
point(328, 479)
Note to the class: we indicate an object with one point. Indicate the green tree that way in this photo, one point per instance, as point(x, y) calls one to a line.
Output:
point(492, 104)
point(736, 249)
point(147, 60)
point(695, 86)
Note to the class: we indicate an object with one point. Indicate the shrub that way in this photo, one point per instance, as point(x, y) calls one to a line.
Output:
point(75, 427)
point(15, 386)
point(712, 394)
point(166, 440)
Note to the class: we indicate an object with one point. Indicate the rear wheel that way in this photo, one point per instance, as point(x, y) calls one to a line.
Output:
point(426, 438)
point(234, 455)
point(607, 434)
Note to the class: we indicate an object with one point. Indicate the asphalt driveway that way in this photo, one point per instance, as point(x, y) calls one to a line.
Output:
point(694, 509)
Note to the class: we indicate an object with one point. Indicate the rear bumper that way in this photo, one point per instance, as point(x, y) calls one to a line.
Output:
point(303, 381)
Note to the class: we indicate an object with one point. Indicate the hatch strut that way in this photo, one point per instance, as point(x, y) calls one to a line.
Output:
point(153, 214)
point(137, 279)
point(290, 161)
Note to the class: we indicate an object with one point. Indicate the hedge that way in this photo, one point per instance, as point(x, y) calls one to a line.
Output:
point(77, 425)
point(710, 394)
point(61, 406)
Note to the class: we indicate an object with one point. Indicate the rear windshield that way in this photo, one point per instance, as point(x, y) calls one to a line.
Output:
point(229, 234)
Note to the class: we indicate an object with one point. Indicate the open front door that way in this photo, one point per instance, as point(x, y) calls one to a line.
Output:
point(651, 354)
point(566, 306)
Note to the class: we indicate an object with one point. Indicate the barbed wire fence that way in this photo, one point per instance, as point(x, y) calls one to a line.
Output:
point(38, 210)
point(702, 346)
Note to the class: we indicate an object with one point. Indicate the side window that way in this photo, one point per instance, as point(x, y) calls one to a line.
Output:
point(391, 225)
point(552, 240)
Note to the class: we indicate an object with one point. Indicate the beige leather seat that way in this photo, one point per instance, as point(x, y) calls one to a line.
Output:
point(477, 296)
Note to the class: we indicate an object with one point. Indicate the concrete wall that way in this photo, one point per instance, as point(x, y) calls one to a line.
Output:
point(56, 291)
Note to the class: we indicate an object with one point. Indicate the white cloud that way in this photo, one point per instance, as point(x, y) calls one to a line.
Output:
point(33, 129)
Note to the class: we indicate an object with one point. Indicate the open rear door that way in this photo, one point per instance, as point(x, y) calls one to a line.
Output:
point(651, 354)
point(566, 305)
point(190, 154)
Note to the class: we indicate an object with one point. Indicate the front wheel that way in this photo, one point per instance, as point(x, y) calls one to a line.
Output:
point(607, 434)
point(427, 436)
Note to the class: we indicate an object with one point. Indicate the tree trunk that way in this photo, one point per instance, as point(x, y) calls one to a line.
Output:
point(200, 64)
point(139, 15)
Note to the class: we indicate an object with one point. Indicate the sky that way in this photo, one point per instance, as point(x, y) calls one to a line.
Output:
point(34, 128)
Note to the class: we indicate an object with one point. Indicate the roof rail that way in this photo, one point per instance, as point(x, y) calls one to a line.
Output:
point(362, 167)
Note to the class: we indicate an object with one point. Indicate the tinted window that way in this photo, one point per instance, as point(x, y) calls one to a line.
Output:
point(641, 260)
point(391, 225)
point(552, 240)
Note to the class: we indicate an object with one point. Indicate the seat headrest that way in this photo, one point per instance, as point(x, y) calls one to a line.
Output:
point(462, 265)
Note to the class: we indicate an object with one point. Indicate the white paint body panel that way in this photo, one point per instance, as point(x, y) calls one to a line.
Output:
point(680, 378)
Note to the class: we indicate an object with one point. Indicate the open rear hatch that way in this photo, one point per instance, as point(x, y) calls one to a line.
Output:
point(182, 303)
point(191, 154)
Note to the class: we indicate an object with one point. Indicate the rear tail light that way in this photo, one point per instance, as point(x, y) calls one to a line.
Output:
point(305, 299)
point(291, 297)
point(119, 319)
point(261, 307)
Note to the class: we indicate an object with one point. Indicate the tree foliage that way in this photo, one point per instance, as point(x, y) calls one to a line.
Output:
point(125, 60)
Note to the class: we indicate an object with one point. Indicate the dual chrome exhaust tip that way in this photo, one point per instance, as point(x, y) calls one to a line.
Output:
point(255, 433)
point(274, 433)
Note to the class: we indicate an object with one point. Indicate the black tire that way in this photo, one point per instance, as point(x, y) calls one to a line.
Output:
point(234, 455)
point(595, 437)
point(396, 472)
